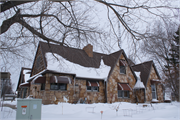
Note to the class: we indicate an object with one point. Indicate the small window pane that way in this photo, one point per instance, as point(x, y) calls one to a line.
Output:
point(25, 91)
point(120, 93)
point(153, 88)
point(62, 86)
point(126, 94)
point(95, 89)
point(43, 86)
point(123, 69)
point(54, 86)
point(88, 88)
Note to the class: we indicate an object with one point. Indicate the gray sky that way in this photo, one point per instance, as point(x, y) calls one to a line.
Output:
point(102, 19)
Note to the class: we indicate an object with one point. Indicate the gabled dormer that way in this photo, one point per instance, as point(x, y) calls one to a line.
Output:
point(39, 63)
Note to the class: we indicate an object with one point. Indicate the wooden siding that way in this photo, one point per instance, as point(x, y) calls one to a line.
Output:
point(39, 63)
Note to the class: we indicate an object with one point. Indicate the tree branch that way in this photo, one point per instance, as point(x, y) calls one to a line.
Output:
point(7, 5)
point(7, 23)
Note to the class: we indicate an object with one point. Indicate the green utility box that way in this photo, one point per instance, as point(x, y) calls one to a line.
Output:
point(28, 109)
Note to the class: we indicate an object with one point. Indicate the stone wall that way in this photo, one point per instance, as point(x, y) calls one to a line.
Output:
point(139, 93)
point(52, 96)
point(159, 89)
point(73, 92)
point(116, 77)
point(92, 97)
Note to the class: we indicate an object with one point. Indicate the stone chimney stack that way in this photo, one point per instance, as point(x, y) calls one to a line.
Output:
point(89, 50)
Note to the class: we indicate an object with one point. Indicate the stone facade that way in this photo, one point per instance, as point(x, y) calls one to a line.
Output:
point(51, 96)
point(159, 89)
point(139, 93)
point(115, 78)
point(77, 89)
point(92, 97)
point(73, 93)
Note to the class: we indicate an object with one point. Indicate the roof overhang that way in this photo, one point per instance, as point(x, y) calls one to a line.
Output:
point(60, 79)
point(155, 81)
point(24, 85)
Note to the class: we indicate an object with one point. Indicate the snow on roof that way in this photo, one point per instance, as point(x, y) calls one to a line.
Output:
point(39, 75)
point(63, 65)
point(138, 84)
point(137, 74)
point(26, 74)
point(36, 75)
point(155, 79)
point(24, 83)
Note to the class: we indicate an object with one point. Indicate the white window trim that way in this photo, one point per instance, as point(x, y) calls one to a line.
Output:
point(154, 91)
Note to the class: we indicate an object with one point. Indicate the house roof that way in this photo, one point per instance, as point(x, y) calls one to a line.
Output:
point(145, 69)
point(79, 56)
point(24, 75)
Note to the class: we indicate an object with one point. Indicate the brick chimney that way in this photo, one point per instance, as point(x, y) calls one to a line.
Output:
point(89, 50)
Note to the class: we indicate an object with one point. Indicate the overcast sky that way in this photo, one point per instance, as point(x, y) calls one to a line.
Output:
point(102, 19)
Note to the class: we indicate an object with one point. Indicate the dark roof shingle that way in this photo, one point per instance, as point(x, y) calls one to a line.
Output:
point(145, 69)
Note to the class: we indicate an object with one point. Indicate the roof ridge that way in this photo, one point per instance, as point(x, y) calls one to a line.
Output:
point(143, 63)
point(41, 42)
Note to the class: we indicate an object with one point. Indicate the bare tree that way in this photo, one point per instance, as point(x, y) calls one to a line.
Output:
point(71, 23)
point(158, 48)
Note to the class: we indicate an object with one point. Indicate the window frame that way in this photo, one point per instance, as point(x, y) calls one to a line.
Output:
point(59, 86)
point(43, 86)
point(25, 92)
point(153, 91)
point(122, 67)
point(122, 92)
point(92, 89)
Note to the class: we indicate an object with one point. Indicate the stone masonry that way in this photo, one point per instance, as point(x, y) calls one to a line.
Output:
point(115, 78)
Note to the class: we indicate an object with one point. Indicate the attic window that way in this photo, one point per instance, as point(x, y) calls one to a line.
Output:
point(122, 65)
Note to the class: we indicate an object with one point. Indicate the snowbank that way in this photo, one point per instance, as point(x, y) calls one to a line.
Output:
point(66, 111)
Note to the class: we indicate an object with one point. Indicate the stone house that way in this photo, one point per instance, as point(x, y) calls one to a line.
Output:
point(62, 73)
point(149, 76)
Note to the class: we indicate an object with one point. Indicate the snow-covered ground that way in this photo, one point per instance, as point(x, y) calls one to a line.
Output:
point(127, 111)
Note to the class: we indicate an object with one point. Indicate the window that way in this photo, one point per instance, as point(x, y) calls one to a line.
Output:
point(123, 90)
point(62, 86)
point(88, 88)
point(58, 86)
point(123, 69)
point(122, 64)
point(123, 94)
point(24, 92)
point(120, 93)
point(153, 88)
point(93, 88)
point(42, 86)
